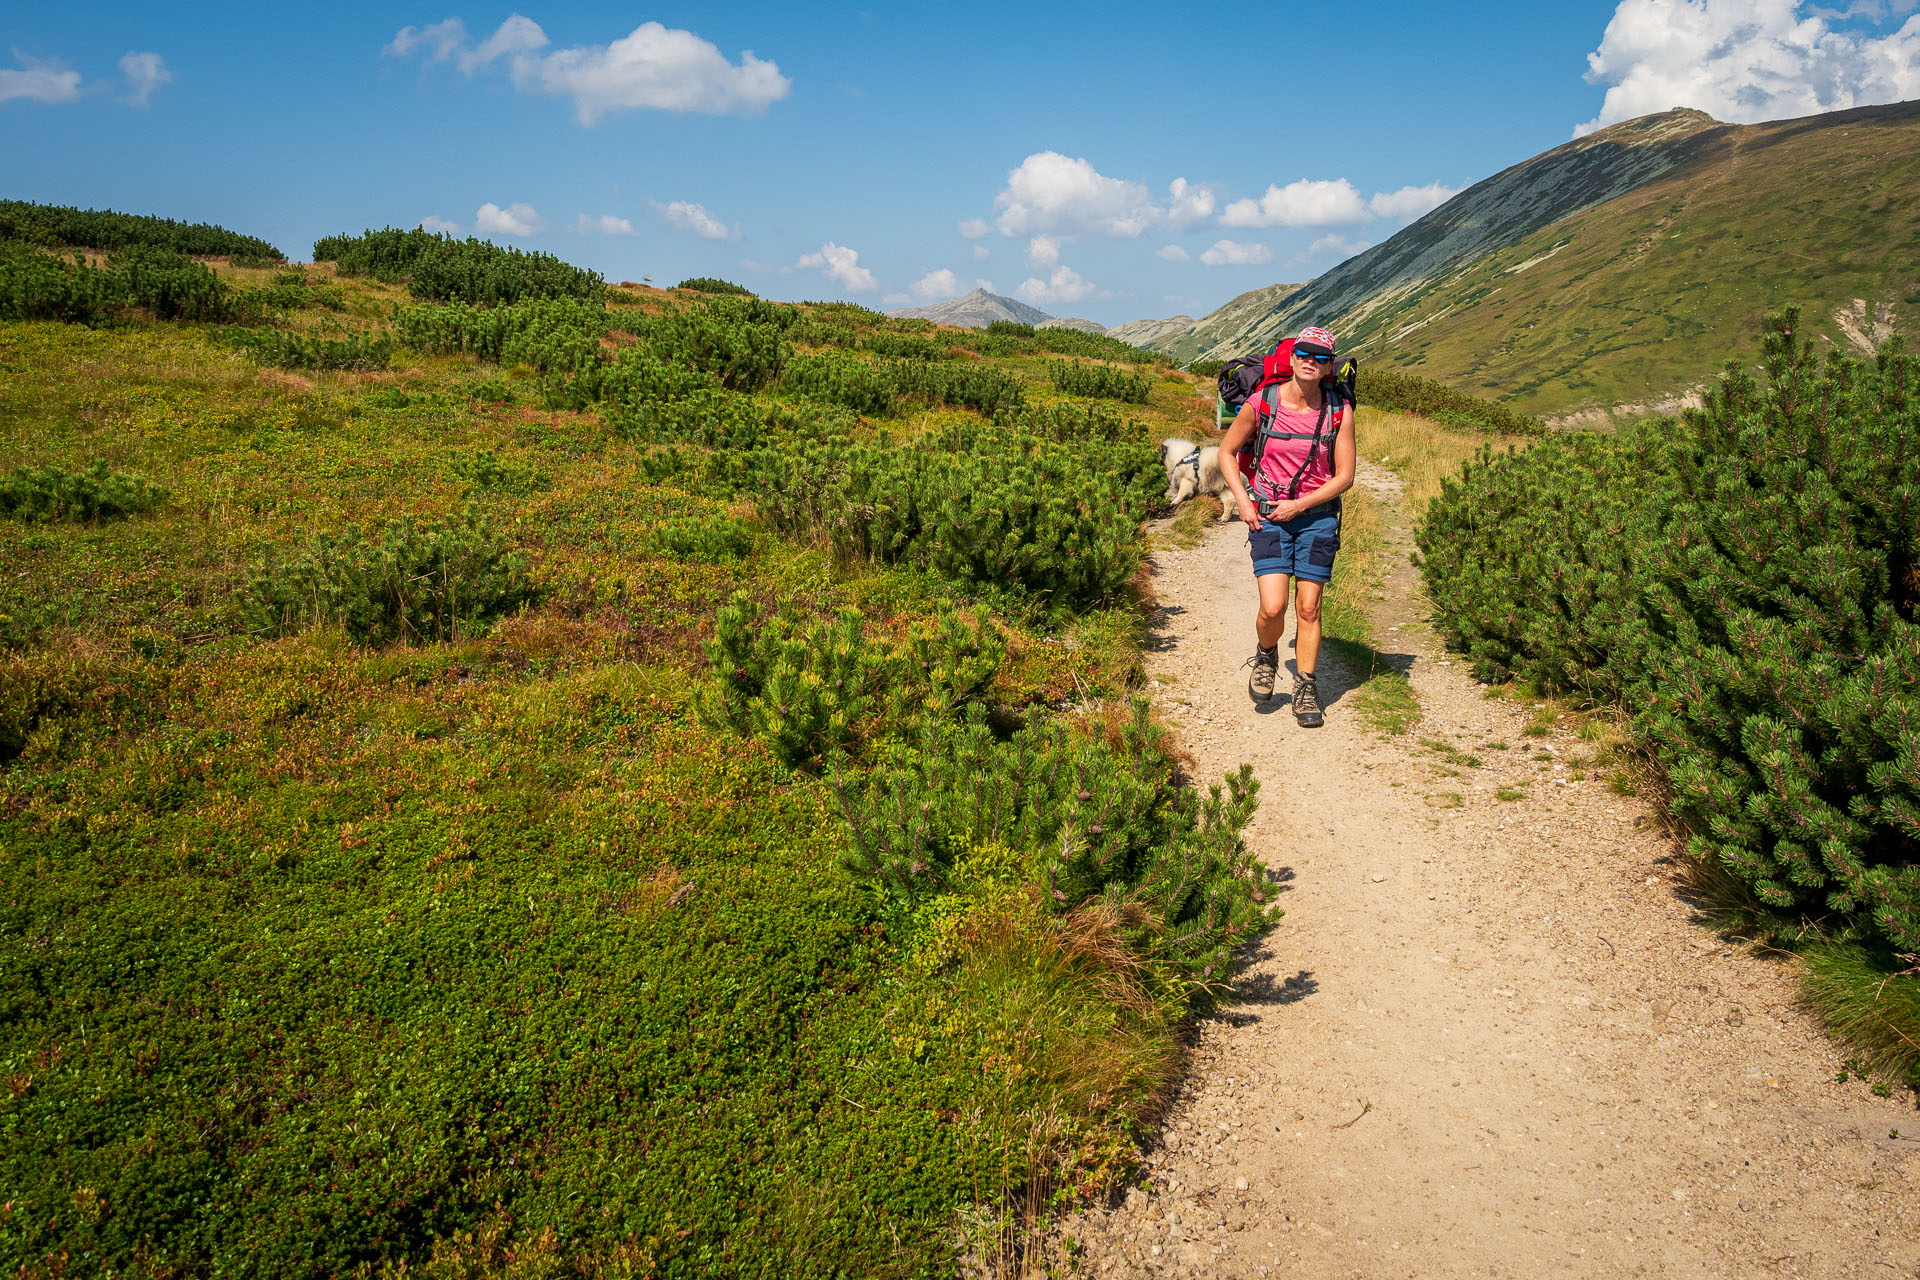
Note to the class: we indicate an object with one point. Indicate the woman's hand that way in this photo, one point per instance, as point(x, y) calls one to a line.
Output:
point(1281, 512)
point(1249, 513)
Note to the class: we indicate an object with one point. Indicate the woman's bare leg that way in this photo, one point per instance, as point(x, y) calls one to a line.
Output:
point(1306, 641)
point(1270, 623)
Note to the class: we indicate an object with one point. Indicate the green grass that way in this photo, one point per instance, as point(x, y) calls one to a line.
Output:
point(485, 955)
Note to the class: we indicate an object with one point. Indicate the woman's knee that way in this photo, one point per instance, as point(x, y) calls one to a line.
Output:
point(1269, 613)
point(1310, 609)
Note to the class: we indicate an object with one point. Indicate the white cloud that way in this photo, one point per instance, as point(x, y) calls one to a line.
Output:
point(1063, 285)
point(936, 286)
point(652, 66)
point(439, 226)
point(1748, 60)
point(145, 72)
point(442, 40)
point(1306, 203)
point(514, 37)
point(514, 220)
point(1331, 246)
point(974, 228)
point(1043, 251)
point(841, 264)
point(1231, 253)
point(1409, 203)
point(688, 216)
point(38, 81)
point(1052, 193)
point(1188, 204)
point(1173, 253)
point(981, 253)
point(605, 225)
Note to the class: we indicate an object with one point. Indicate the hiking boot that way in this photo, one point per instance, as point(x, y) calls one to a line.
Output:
point(1306, 703)
point(1265, 662)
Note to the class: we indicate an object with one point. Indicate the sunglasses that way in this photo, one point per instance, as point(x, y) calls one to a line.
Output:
point(1298, 353)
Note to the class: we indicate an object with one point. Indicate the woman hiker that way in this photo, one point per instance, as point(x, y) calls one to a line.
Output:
point(1299, 437)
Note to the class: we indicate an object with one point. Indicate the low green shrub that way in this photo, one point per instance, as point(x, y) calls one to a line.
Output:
point(1747, 583)
point(171, 286)
point(439, 268)
point(484, 469)
point(1101, 380)
point(1062, 341)
point(286, 350)
point(739, 341)
point(559, 335)
point(974, 502)
point(60, 225)
point(1010, 329)
point(1206, 368)
point(970, 386)
point(843, 379)
point(1101, 825)
point(407, 582)
point(1073, 423)
point(51, 493)
point(1408, 393)
point(711, 539)
point(813, 688)
point(707, 284)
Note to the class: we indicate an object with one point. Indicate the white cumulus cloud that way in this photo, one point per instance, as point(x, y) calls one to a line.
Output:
point(840, 264)
point(38, 81)
point(515, 220)
point(145, 72)
point(697, 218)
point(1332, 246)
point(439, 226)
point(1231, 253)
point(974, 228)
point(1305, 203)
point(1409, 203)
point(936, 286)
point(1188, 204)
point(1052, 193)
point(1749, 60)
point(1064, 284)
point(981, 253)
point(1043, 251)
point(1173, 253)
point(604, 225)
point(652, 66)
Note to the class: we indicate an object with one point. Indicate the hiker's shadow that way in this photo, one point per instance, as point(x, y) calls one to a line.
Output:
point(1160, 637)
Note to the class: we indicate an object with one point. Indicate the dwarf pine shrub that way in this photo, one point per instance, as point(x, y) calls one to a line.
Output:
point(709, 539)
point(406, 582)
point(975, 502)
point(1102, 825)
point(1746, 583)
point(104, 229)
point(286, 350)
point(1409, 393)
point(968, 386)
point(708, 284)
point(839, 378)
point(812, 689)
point(1104, 381)
point(51, 493)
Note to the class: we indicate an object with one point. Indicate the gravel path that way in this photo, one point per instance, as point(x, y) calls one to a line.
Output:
point(1488, 1038)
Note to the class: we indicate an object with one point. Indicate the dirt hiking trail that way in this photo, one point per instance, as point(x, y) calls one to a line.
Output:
point(1489, 1037)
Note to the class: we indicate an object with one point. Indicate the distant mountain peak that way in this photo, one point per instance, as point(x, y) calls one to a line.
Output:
point(976, 310)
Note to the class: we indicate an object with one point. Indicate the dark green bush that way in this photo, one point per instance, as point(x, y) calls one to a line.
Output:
point(286, 350)
point(1010, 329)
point(712, 539)
point(905, 346)
point(50, 493)
point(1062, 341)
point(1206, 368)
point(103, 229)
point(1408, 393)
point(42, 286)
point(1073, 423)
point(561, 335)
point(811, 688)
point(975, 502)
point(1103, 826)
point(970, 386)
point(1101, 380)
point(1745, 583)
point(171, 285)
point(843, 379)
point(438, 268)
point(484, 469)
point(707, 284)
point(738, 341)
point(407, 582)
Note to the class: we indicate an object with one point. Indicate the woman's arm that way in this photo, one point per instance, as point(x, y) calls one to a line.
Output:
point(1236, 439)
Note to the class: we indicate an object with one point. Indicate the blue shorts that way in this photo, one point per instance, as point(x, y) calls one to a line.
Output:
point(1303, 547)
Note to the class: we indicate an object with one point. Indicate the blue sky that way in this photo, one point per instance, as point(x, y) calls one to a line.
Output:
point(1112, 161)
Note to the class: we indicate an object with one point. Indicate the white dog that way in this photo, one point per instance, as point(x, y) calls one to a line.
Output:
point(1192, 470)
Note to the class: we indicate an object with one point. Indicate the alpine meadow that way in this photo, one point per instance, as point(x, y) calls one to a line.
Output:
point(513, 773)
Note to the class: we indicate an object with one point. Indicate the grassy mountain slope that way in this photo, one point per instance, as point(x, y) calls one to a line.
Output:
point(1677, 236)
point(1225, 326)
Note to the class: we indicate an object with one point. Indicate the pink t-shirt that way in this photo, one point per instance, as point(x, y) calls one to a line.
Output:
point(1284, 455)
